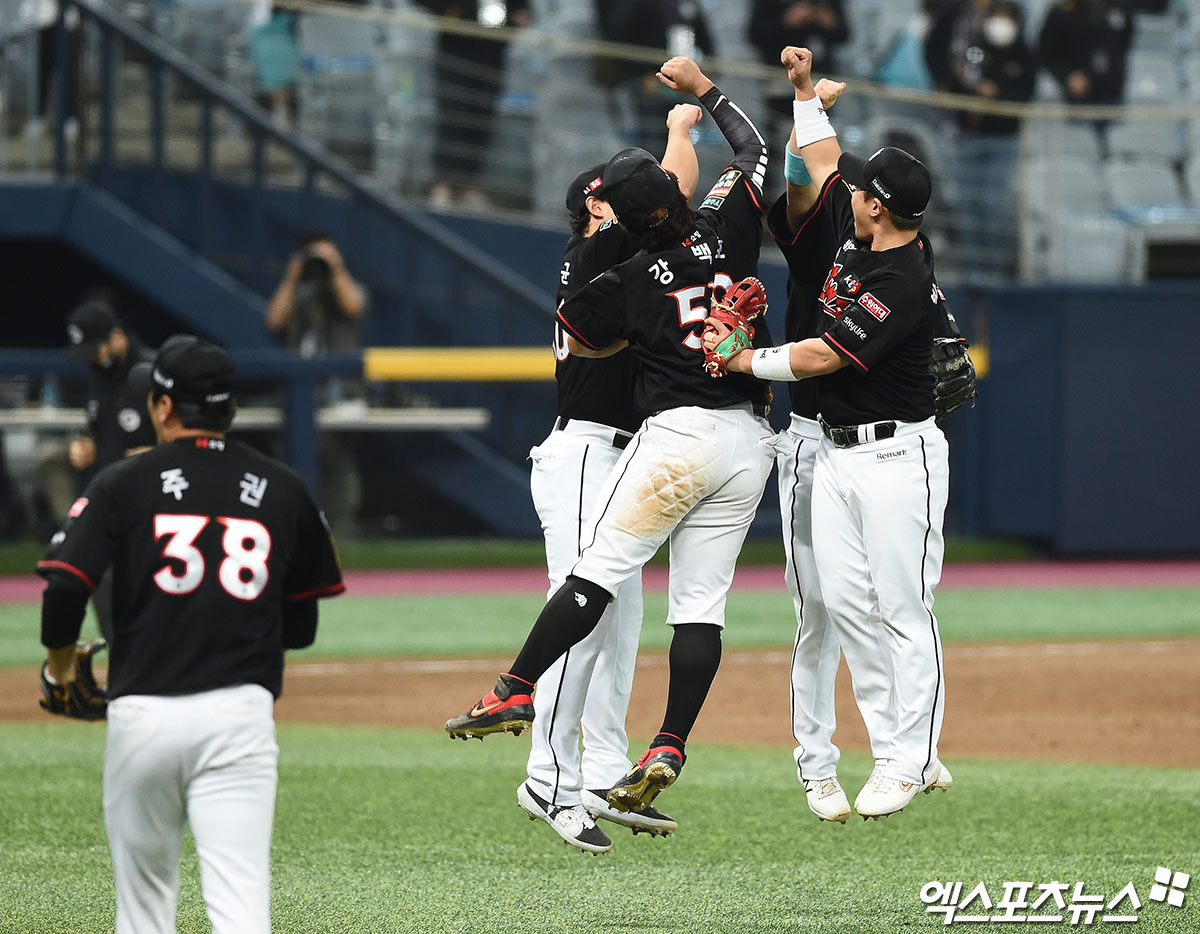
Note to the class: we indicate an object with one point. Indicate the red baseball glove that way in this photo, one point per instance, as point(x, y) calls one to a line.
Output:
point(740, 305)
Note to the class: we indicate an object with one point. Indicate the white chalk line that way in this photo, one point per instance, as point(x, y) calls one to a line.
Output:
point(739, 658)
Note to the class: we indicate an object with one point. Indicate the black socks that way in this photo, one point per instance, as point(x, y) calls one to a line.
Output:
point(568, 617)
point(695, 658)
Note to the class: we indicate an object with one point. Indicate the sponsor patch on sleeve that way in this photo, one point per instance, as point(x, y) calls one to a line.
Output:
point(78, 507)
point(877, 308)
point(720, 191)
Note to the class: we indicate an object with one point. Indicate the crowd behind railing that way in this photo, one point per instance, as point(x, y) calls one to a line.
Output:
point(1064, 136)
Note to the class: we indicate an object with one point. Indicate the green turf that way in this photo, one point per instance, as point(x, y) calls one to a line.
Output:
point(20, 557)
point(478, 624)
point(384, 830)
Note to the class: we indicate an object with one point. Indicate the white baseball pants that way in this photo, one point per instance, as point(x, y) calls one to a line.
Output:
point(693, 475)
point(207, 760)
point(877, 516)
point(588, 688)
point(817, 649)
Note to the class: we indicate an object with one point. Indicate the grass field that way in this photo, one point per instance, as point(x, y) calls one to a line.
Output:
point(387, 830)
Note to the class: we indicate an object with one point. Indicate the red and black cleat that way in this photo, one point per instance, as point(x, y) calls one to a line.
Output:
point(656, 770)
point(506, 708)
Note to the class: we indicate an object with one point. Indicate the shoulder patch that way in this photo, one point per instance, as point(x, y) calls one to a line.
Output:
point(78, 507)
point(720, 191)
point(877, 308)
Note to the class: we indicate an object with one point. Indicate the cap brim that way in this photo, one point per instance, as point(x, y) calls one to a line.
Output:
point(853, 169)
point(140, 378)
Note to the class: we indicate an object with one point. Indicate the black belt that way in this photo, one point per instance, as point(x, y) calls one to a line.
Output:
point(848, 436)
point(620, 439)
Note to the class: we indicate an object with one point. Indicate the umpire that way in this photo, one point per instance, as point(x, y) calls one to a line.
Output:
point(219, 555)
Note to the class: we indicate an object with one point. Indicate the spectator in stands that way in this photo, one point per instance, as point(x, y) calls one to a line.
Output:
point(317, 306)
point(1085, 43)
point(816, 25)
point(469, 75)
point(978, 48)
point(275, 54)
point(676, 27)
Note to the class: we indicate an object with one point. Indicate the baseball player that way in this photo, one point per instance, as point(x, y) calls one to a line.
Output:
point(807, 239)
point(880, 476)
point(219, 555)
point(694, 471)
point(588, 688)
point(116, 412)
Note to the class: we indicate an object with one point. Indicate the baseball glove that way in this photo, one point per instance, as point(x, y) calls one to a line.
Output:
point(955, 375)
point(81, 697)
point(735, 309)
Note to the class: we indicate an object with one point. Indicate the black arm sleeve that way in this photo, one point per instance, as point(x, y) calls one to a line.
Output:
point(299, 623)
point(63, 606)
point(749, 147)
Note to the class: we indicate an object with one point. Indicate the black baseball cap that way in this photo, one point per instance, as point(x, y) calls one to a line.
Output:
point(636, 185)
point(188, 369)
point(89, 326)
point(586, 183)
point(897, 178)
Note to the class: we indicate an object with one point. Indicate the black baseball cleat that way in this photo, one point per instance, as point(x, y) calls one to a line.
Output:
point(655, 770)
point(506, 708)
point(648, 820)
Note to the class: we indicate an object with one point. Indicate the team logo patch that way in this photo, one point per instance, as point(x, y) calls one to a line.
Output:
point(720, 191)
point(78, 507)
point(852, 284)
point(834, 304)
point(877, 308)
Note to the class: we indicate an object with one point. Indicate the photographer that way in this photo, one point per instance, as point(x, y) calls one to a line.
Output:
point(318, 306)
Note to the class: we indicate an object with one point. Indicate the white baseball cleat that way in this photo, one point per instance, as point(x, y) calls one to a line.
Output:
point(826, 799)
point(573, 823)
point(649, 820)
point(883, 795)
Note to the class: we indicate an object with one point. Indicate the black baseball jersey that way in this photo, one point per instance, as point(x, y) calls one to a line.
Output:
point(880, 308)
point(594, 389)
point(116, 412)
point(658, 302)
point(809, 252)
point(207, 538)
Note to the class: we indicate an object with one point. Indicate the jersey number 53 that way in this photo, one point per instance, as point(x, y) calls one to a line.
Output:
point(242, 572)
point(693, 306)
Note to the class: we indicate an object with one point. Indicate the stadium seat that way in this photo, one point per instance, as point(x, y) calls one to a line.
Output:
point(1145, 139)
point(1073, 138)
point(1135, 185)
point(1064, 185)
point(1152, 78)
point(1094, 248)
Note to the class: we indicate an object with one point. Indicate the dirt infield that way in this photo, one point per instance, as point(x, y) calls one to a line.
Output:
point(1115, 702)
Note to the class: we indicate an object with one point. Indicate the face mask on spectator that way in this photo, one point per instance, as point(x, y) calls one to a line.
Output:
point(1000, 31)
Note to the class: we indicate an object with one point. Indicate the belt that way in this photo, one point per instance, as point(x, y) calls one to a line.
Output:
point(762, 409)
point(847, 436)
point(620, 439)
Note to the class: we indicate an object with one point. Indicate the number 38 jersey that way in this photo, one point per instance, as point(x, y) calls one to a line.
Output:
point(207, 538)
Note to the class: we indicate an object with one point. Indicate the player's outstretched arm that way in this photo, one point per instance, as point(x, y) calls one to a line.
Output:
point(812, 134)
point(802, 190)
point(749, 147)
point(787, 362)
point(680, 155)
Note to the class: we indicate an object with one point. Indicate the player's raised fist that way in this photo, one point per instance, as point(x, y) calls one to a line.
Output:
point(799, 67)
point(829, 91)
point(684, 115)
point(684, 75)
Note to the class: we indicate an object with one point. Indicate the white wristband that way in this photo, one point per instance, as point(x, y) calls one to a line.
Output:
point(773, 363)
point(812, 125)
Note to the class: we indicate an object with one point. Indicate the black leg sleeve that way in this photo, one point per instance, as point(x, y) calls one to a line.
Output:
point(695, 658)
point(569, 617)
